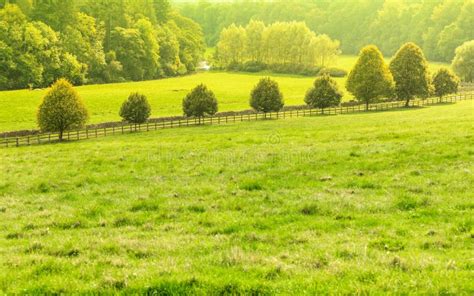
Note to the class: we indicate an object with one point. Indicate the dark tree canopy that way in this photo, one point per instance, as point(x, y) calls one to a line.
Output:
point(325, 93)
point(370, 78)
point(445, 82)
point(62, 109)
point(410, 72)
point(266, 96)
point(135, 109)
point(200, 102)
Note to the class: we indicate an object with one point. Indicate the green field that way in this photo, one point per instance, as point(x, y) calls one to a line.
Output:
point(103, 101)
point(363, 203)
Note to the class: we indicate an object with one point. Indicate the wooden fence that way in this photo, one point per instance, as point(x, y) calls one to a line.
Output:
point(222, 119)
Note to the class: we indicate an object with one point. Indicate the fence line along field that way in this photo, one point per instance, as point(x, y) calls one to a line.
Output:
point(19, 107)
point(360, 202)
point(121, 128)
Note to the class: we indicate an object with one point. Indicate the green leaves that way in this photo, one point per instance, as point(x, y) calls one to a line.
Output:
point(266, 96)
point(463, 63)
point(410, 72)
point(324, 94)
point(370, 78)
point(200, 102)
point(61, 109)
point(445, 82)
point(135, 109)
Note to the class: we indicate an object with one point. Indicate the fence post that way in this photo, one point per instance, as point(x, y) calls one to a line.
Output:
point(78, 134)
point(49, 138)
point(39, 139)
point(17, 143)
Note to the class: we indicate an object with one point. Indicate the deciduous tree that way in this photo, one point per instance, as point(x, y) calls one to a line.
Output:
point(62, 109)
point(370, 78)
point(266, 96)
point(445, 82)
point(325, 93)
point(463, 62)
point(410, 72)
point(135, 109)
point(200, 102)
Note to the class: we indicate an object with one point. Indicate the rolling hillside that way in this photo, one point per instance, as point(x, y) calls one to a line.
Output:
point(329, 204)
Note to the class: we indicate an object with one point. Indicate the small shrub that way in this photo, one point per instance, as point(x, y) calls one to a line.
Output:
point(61, 109)
point(135, 109)
point(324, 94)
point(200, 102)
point(333, 72)
point(266, 96)
point(253, 66)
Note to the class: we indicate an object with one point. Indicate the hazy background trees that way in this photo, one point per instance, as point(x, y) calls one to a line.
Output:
point(290, 44)
point(438, 26)
point(94, 41)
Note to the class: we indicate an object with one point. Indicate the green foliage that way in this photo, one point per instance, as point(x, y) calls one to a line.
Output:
point(290, 44)
point(463, 62)
point(325, 93)
point(200, 102)
point(439, 26)
point(113, 70)
point(410, 72)
point(84, 40)
point(61, 109)
point(135, 109)
point(162, 10)
point(32, 53)
point(76, 35)
point(445, 82)
point(370, 78)
point(266, 96)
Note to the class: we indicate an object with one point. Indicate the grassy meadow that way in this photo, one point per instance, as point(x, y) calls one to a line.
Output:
point(103, 101)
point(362, 203)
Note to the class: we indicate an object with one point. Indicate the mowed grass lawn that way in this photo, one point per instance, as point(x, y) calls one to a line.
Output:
point(361, 203)
point(18, 108)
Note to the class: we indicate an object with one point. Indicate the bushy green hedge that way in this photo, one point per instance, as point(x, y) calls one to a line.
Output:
point(283, 68)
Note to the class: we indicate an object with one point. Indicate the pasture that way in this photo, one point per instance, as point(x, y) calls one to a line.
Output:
point(363, 203)
point(165, 96)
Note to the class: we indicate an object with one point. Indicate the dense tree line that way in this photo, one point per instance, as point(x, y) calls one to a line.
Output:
point(94, 41)
point(290, 44)
point(438, 26)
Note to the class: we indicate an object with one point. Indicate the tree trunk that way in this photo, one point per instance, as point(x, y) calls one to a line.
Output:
point(407, 103)
point(367, 106)
point(60, 135)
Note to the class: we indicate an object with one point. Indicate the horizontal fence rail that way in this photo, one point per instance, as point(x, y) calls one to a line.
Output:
point(44, 138)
